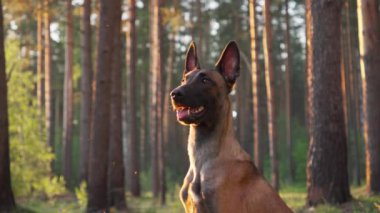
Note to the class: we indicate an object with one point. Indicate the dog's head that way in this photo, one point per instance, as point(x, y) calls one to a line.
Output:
point(202, 92)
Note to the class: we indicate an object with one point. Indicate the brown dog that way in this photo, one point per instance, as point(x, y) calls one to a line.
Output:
point(221, 177)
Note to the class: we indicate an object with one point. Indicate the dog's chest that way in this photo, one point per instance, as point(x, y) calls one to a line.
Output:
point(200, 192)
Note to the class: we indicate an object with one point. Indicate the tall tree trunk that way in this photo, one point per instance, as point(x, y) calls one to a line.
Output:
point(7, 201)
point(40, 68)
point(86, 90)
point(99, 147)
point(288, 98)
point(244, 123)
point(144, 123)
point(116, 189)
point(308, 63)
point(133, 151)
point(348, 94)
point(49, 119)
point(155, 92)
point(269, 82)
point(168, 86)
point(68, 97)
point(199, 27)
point(369, 39)
point(167, 119)
point(354, 97)
point(255, 84)
point(159, 124)
point(40, 52)
point(327, 176)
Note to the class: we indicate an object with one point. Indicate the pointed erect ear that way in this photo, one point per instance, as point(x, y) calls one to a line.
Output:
point(229, 63)
point(191, 59)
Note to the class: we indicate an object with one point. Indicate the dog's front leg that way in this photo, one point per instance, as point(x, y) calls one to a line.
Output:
point(184, 192)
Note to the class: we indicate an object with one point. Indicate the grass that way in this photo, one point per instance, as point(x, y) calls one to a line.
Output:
point(294, 196)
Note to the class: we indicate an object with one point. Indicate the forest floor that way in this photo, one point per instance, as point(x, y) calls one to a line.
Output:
point(294, 196)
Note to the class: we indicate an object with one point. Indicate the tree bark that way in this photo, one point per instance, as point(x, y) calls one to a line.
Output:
point(269, 82)
point(199, 24)
point(49, 110)
point(288, 98)
point(133, 151)
point(155, 92)
point(168, 86)
point(369, 39)
point(86, 90)
point(68, 97)
point(116, 189)
point(99, 147)
point(354, 97)
point(255, 84)
point(40, 56)
point(327, 176)
point(159, 73)
point(7, 201)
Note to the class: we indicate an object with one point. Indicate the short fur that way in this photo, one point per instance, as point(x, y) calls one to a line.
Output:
point(221, 177)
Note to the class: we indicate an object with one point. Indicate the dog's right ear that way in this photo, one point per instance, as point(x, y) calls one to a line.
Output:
point(191, 62)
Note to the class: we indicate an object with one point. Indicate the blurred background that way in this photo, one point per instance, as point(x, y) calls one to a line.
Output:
point(90, 120)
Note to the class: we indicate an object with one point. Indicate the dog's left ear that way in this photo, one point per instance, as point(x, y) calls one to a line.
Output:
point(191, 62)
point(229, 64)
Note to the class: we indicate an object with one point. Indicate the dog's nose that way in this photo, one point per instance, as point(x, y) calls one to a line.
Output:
point(176, 93)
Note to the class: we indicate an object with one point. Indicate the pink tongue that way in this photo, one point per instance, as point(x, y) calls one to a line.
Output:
point(181, 114)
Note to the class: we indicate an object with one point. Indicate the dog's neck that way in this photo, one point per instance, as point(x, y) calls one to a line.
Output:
point(207, 142)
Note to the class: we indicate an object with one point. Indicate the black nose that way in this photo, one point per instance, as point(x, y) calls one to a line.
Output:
point(176, 93)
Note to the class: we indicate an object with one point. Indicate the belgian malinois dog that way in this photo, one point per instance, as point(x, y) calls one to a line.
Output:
point(221, 177)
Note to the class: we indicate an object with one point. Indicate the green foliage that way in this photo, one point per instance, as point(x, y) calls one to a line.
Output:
point(294, 196)
point(147, 204)
point(301, 145)
point(30, 155)
point(172, 18)
point(146, 180)
point(81, 195)
point(62, 205)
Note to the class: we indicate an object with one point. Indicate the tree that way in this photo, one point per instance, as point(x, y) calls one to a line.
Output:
point(155, 92)
point(350, 95)
point(369, 39)
point(269, 82)
point(255, 83)
point(68, 96)
point(100, 134)
point(198, 26)
point(7, 201)
point(49, 109)
point(167, 120)
point(327, 176)
point(288, 98)
point(40, 64)
point(86, 90)
point(133, 151)
point(116, 189)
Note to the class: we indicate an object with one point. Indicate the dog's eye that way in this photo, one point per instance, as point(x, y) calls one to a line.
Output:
point(205, 80)
point(183, 80)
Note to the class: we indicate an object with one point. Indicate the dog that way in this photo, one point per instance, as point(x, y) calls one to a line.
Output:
point(221, 177)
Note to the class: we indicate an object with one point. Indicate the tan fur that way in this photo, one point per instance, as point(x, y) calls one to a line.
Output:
point(221, 177)
point(228, 180)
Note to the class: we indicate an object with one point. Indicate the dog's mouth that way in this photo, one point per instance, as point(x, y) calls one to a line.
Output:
point(186, 113)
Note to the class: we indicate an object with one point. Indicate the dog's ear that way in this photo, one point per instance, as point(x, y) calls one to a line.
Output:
point(229, 63)
point(191, 62)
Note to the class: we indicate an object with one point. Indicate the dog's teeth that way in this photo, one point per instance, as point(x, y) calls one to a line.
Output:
point(196, 110)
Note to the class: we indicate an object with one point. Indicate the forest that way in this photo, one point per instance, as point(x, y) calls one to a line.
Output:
point(86, 122)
